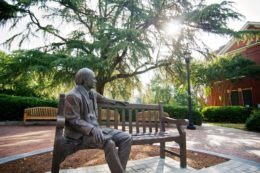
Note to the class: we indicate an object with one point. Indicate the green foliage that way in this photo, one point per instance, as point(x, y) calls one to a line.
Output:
point(181, 112)
point(122, 89)
point(36, 73)
point(161, 90)
point(228, 114)
point(214, 17)
point(253, 122)
point(224, 68)
point(12, 107)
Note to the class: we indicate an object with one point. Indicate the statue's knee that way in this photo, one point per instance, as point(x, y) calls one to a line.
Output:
point(129, 138)
point(110, 144)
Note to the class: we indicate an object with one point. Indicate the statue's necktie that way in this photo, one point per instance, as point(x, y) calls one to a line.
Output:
point(91, 95)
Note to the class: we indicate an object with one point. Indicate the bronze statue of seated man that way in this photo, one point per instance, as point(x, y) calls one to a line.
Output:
point(82, 127)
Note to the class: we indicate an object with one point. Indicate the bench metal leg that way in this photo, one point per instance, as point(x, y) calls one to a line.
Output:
point(183, 152)
point(162, 150)
point(56, 161)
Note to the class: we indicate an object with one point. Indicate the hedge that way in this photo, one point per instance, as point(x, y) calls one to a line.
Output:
point(181, 112)
point(253, 122)
point(227, 114)
point(12, 107)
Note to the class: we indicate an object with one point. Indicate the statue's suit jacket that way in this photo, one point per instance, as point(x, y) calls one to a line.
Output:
point(81, 112)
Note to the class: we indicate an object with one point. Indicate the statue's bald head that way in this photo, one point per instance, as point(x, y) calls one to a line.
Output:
point(85, 77)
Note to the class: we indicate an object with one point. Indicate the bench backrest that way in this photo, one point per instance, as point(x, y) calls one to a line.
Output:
point(135, 118)
point(104, 112)
point(147, 115)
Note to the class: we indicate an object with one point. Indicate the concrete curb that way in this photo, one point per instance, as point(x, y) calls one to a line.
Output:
point(4, 123)
point(21, 123)
point(20, 156)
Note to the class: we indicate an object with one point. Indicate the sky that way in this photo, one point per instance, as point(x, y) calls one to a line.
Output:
point(248, 8)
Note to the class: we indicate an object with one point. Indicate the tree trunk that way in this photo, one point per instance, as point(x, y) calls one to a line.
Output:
point(100, 87)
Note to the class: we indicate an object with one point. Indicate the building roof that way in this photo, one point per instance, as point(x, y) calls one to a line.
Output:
point(248, 25)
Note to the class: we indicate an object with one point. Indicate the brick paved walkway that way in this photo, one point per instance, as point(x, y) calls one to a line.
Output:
point(21, 139)
point(234, 142)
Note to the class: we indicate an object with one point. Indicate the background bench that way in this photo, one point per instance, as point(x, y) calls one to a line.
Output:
point(105, 113)
point(40, 113)
point(146, 123)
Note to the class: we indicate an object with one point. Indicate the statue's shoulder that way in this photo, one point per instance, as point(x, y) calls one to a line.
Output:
point(73, 93)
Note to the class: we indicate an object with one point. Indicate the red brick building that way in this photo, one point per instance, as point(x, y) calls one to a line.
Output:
point(246, 90)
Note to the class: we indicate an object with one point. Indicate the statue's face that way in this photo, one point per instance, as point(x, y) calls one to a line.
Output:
point(90, 81)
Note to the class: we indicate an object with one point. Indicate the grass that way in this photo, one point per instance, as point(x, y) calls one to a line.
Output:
point(231, 125)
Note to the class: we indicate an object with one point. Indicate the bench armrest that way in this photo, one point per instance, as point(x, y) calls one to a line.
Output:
point(60, 122)
point(175, 121)
point(179, 123)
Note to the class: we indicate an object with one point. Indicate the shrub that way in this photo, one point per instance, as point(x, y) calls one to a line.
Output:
point(228, 114)
point(181, 112)
point(253, 122)
point(12, 107)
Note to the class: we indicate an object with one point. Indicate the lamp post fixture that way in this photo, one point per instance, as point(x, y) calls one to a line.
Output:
point(187, 61)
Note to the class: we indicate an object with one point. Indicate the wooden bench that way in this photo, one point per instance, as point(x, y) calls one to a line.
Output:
point(144, 131)
point(40, 113)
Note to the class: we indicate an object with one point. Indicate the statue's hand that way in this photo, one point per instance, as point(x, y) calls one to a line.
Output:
point(98, 135)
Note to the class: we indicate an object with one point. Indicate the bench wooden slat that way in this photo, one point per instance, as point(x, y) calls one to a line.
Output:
point(137, 122)
point(116, 119)
point(123, 119)
point(108, 117)
point(150, 121)
point(143, 121)
point(130, 121)
point(153, 138)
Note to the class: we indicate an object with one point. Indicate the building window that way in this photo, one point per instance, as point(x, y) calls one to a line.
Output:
point(247, 97)
point(234, 98)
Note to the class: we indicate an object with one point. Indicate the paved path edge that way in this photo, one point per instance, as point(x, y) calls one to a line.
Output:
point(45, 150)
point(235, 158)
point(20, 156)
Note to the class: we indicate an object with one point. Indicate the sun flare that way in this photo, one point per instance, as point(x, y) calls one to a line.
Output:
point(173, 28)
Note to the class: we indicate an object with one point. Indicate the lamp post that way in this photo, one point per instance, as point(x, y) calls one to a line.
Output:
point(187, 61)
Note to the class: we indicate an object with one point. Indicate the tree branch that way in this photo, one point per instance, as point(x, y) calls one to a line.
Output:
point(137, 71)
point(118, 59)
point(77, 13)
point(37, 23)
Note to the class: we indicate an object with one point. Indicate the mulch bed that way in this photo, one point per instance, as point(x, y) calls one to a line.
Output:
point(42, 163)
